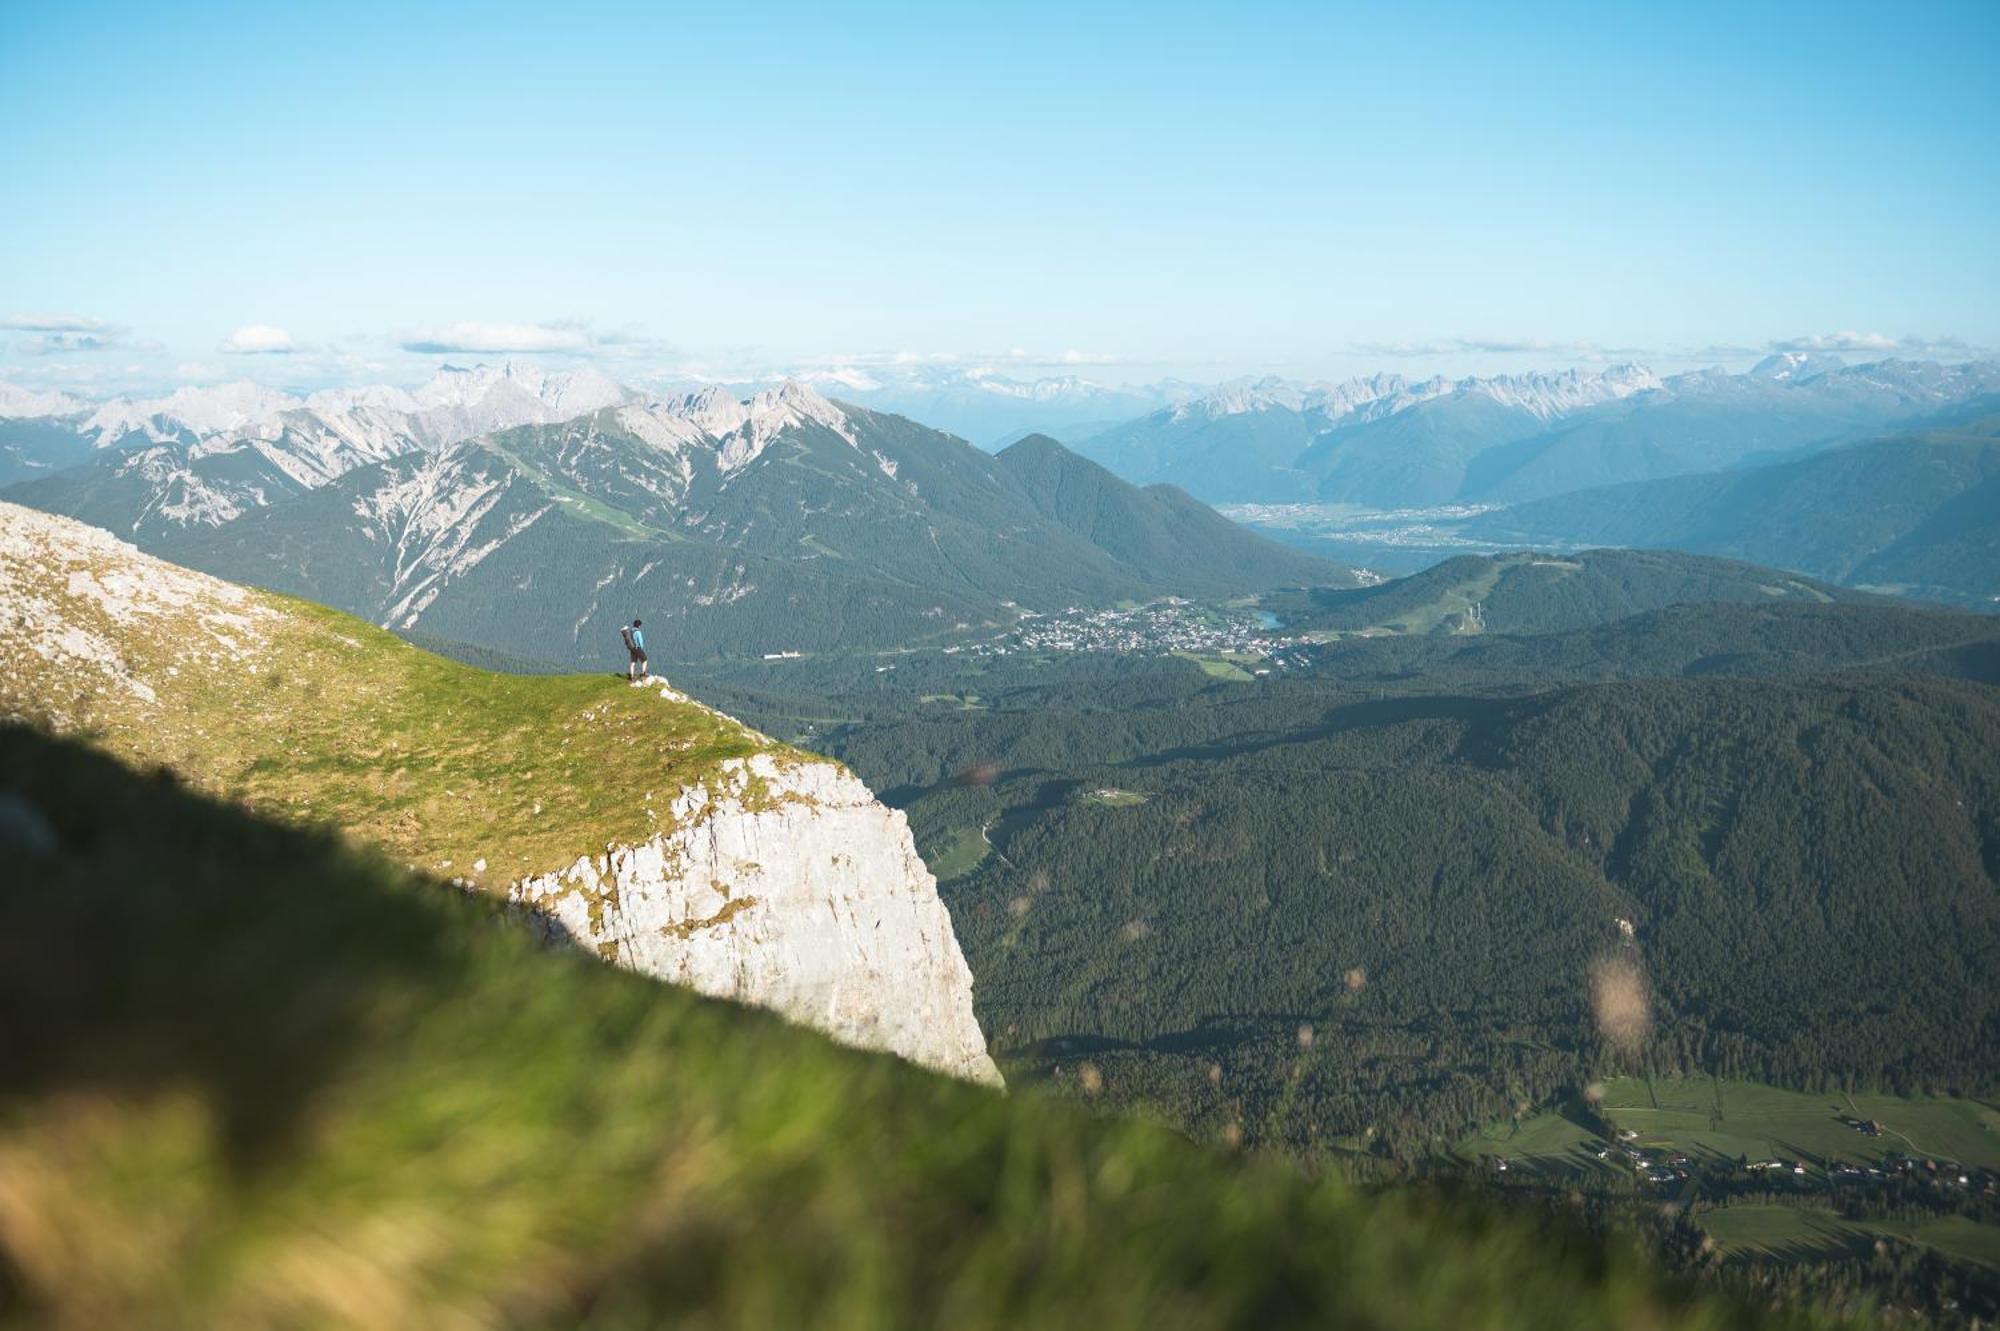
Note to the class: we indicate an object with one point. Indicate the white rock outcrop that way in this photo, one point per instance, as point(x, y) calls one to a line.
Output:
point(786, 884)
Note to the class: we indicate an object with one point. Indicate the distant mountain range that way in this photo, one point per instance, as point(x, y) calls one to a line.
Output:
point(991, 409)
point(1916, 513)
point(785, 522)
point(1388, 442)
point(1757, 466)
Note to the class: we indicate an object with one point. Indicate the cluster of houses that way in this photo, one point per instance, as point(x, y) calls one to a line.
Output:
point(1660, 1166)
point(1675, 1166)
point(1171, 625)
point(1671, 1167)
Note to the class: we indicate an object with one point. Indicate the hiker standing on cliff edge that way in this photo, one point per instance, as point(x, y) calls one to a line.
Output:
point(635, 643)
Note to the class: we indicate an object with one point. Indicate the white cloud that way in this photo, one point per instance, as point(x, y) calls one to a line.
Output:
point(56, 323)
point(1067, 356)
point(1847, 341)
point(1875, 344)
point(1722, 351)
point(258, 340)
point(56, 344)
point(1494, 346)
point(1023, 356)
point(56, 334)
point(495, 338)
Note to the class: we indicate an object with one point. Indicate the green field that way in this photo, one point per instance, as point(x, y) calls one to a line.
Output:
point(967, 702)
point(1221, 667)
point(1738, 1118)
point(962, 850)
point(1791, 1232)
point(1457, 602)
point(1751, 1120)
point(1546, 1141)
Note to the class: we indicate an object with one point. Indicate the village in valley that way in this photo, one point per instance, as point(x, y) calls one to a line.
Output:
point(1232, 633)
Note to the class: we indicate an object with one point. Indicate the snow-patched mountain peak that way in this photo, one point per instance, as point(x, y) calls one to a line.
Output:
point(797, 403)
point(198, 411)
point(582, 391)
point(1372, 396)
point(1244, 395)
point(18, 403)
point(381, 397)
point(567, 393)
point(738, 430)
point(1919, 381)
point(1058, 389)
point(461, 401)
point(846, 377)
point(464, 385)
point(1333, 401)
point(1795, 366)
point(1548, 395)
point(772, 412)
point(714, 410)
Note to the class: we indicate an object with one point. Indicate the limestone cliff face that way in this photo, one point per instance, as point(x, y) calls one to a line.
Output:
point(787, 885)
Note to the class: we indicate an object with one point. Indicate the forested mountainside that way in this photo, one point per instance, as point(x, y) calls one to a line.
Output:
point(327, 1090)
point(1917, 514)
point(784, 524)
point(1388, 442)
point(1419, 848)
point(1161, 532)
point(37, 446)
point(1530, 593)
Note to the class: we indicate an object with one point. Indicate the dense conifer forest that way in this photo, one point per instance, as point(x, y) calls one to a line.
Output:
point(1356, 908)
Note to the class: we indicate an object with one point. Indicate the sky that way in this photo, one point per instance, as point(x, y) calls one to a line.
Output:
point(305, 194)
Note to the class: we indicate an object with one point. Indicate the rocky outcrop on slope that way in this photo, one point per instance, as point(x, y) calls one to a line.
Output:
point(788, 885)
point(770, 877)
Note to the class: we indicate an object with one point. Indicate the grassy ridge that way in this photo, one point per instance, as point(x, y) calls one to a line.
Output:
point(304, 712)
point(259, 1078)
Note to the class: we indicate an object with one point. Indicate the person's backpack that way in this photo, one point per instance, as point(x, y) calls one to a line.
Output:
point(625, 632)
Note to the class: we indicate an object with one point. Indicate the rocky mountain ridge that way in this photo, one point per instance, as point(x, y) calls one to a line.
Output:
point(787, 522)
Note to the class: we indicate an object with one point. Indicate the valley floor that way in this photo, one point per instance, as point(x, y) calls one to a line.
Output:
point(1774, 1178)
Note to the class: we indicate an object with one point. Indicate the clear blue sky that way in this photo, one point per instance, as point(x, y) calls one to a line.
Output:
point(1198, 190)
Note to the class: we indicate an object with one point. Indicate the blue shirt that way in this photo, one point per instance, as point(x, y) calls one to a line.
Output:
point(638, 640)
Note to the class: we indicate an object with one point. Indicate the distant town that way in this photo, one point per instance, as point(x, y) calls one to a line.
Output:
point(1166, 627)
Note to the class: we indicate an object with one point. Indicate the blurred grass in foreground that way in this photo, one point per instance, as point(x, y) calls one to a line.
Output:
point(255, 1077)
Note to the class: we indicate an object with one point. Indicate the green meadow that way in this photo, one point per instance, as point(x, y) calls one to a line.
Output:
point(1705, 1116)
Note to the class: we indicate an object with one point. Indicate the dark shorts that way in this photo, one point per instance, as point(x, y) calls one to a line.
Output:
point(638, 655)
